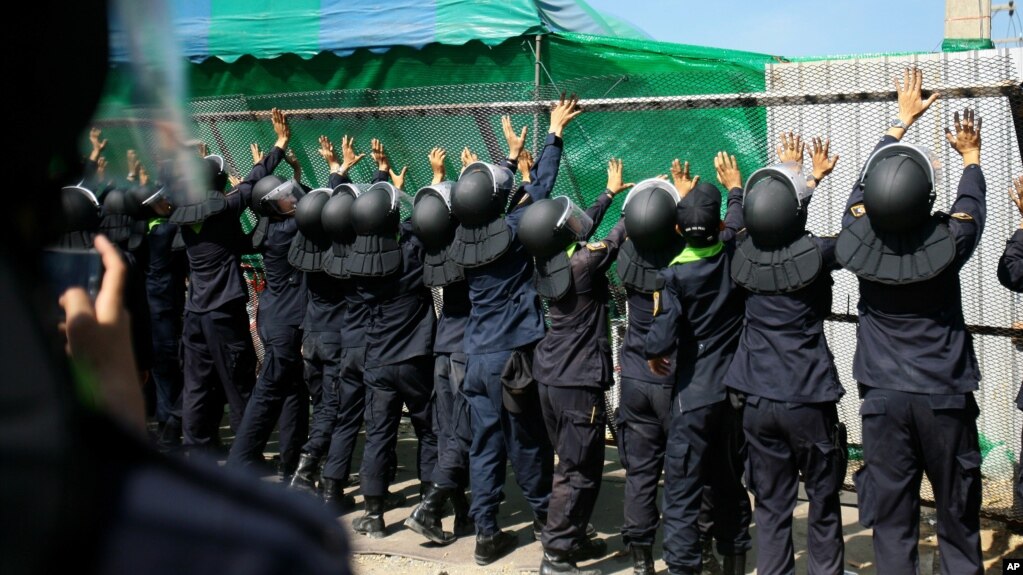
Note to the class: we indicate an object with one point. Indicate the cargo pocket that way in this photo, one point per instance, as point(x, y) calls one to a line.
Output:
point(966, 490)
point(677, 458)
point(865, 496)
point(241, 359)
point(826, 467)
point(580, 447)
point(623, 440)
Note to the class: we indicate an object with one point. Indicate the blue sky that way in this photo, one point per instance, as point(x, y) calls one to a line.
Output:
point(794, 27)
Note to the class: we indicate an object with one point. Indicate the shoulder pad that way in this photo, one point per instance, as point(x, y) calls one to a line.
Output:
point(857, 210)
point(961, 216)
point(596, 246)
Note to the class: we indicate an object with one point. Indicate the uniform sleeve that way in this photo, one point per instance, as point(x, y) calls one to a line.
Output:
point(335, 180)
point(597, 211)
point(545, 171)
point(968, 212)
point(733, 221)
point(856, 197)
point(379, 176)
point(662, 338)
point(827, 248)
point(1010, 265)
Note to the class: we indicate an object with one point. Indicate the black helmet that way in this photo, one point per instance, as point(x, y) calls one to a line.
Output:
point(894, 239)
point(699, 215)
point(260, 191)
point(337, 213)
point(377, 211)
point(649, 212)
point(774, 205)
point(81, 209)
point(432, 220)
point(481, 193)
point(899, 183)
point(217, 174)
point(121, 202)
point(550, 225)
point(308, 213)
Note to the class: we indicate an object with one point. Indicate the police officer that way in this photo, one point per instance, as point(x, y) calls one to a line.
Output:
point(505, 323)
point(219, 359)
point(914, 361)
point(572, 364)
point(1010, 274)
point(280, 392)
point(165, 288)
point(338, 418)
point(645, 397)
point(698, 318)
point(385, 263)
point(784, 366)
point(434, 225)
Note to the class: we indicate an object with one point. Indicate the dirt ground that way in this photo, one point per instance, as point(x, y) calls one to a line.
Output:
point(403, 551)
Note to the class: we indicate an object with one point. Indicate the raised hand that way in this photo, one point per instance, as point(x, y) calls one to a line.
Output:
point(563, 113)
point(680, 177)
point(822, 164)
point(292, 160)
point(398, 179)
point(379, 155)
point(525, 164)
point(966, 140)
point(101, 169)
point(791, 148)
point(257, 154)
point(97, 144)
point(614, 177)
point(233, 180)
point(1016, 195)
point(202, 149)
point(468, 157)
point(348, 156)
point(436, 157)
point(143, 175)
point(727, 170)
point(281, 128)
point(911, 102)
point(515, 141)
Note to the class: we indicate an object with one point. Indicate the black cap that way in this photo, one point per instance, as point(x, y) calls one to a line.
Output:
point(699, 215)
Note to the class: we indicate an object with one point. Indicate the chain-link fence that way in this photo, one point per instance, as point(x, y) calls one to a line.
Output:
point(651, 119)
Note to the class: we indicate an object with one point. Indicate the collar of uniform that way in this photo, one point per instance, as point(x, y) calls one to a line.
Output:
point(153, 222)
point(571, 249)
point(691, 254)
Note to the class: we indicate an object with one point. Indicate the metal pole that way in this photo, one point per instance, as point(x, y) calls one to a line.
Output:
point(536, 93)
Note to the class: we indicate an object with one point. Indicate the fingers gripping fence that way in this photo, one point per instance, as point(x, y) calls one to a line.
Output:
point(648, 120)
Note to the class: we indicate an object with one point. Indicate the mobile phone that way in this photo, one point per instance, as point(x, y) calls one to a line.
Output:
point(68, 268)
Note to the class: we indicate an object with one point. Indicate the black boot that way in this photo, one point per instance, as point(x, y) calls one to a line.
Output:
point(334, 495)
point(305, 474)
point(557, 563)
point(587, 549)
point(372, 522)
point(393, 500)
point(464, 525)
point(425, 518)
point(490, 548)
point(734, 564)
point(642, 560)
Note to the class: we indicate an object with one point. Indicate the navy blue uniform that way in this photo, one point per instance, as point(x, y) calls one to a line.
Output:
point(573, 366)
point(1010, 273)
point(784, 366)
point(165, 287)
point(698, 319)
point(219, 357)
point(644, 409)
point(506, 316)
point(399, 365)
point(451, 412)
point(321, 356)
point(917, 373)
point(279, 391)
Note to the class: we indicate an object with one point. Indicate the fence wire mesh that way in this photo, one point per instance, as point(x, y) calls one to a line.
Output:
point(650, 120)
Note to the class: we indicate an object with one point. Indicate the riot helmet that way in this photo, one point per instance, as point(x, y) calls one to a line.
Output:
point(550, 225)
point(899, 186)
point(432, 220)
point(216, 172)
point(649, 212)
point(774, 205)
point(481, 193)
